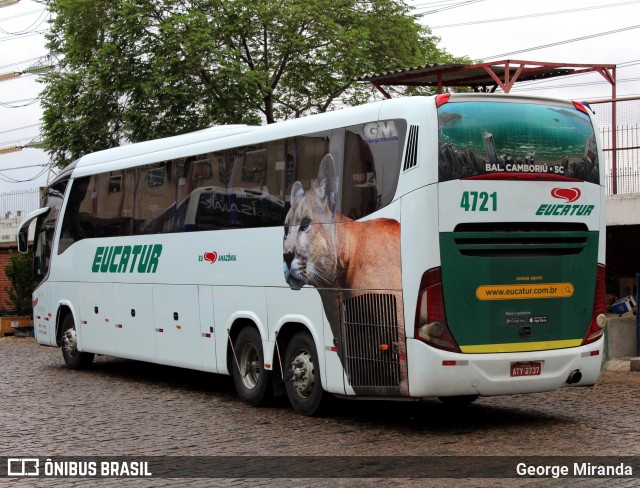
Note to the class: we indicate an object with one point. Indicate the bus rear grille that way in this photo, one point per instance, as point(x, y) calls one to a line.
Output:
point(520, 239)
point(371, 343)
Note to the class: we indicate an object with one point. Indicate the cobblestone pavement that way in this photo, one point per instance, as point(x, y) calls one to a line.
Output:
point(131, 408)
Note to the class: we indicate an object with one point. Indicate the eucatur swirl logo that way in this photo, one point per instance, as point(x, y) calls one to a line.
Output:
point(567, 194)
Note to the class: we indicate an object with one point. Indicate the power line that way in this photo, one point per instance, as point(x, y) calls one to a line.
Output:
point(420, 5)
point(528, 16)
point(25, 102)
point(16, 141)
point(19, 128)
point(25, 167)
point(621, 66)
point(20, 62)
point(628, 95)
point(41, 18)
point(552, 87)
point(20, 36)
point(8, 179)
point(24, 14)
point(583, 38)
point(449, 7)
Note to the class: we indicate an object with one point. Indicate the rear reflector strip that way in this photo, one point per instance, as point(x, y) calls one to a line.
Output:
point(590, 353)
point(455, 363)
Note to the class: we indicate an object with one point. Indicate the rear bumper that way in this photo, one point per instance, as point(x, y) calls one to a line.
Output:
point(490, 374)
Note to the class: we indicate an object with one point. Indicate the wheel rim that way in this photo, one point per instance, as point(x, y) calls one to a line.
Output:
point(250, 368)
point(303, 374)
point(70, 342)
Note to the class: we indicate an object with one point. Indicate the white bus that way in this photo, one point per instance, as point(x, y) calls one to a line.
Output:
point(448, 246)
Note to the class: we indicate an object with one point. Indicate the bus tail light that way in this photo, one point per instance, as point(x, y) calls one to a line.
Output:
point(598, 319)
point(581, 107)
point(431, 320)
point(442, 99)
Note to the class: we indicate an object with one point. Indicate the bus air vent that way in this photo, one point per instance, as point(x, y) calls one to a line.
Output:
point(372, 346)
point(522, 240)
point(411, 155)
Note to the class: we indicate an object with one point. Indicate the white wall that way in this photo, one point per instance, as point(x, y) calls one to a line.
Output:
point(623, 209)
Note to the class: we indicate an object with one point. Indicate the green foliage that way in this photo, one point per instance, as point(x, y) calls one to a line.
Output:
point(19, 270)
point(136, 70)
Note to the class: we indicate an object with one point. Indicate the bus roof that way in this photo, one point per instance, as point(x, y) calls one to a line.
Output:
point(221, 137)
point(225, 136)
point(138, 148)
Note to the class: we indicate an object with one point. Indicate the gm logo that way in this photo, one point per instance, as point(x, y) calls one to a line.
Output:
point(380, 131)
point(23, 467)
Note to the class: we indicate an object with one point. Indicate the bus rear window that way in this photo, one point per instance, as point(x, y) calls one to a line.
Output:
point(511, 139)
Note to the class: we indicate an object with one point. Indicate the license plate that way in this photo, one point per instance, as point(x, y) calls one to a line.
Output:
point(526, 369)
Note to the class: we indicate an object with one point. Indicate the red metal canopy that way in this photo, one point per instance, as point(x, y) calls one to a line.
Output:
point(487, 77)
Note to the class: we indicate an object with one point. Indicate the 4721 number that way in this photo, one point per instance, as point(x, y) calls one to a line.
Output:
point(473, 201)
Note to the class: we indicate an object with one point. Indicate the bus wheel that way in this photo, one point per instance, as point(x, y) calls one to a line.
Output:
point(458, 401)
point(72, 357)
point(304, 387)
point(249, 375)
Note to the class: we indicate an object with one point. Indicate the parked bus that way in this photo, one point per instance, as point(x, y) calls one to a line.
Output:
point(448, 246)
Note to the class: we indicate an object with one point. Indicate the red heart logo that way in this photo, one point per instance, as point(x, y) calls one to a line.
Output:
point(567, 194)
point(212, 256)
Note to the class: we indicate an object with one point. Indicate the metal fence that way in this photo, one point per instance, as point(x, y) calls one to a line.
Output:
point(622, 154)
point(19, 202)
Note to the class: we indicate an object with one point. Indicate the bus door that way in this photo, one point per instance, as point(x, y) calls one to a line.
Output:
point(42, 314)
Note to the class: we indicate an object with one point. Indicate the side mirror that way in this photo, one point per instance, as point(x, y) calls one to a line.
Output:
point(23, 231)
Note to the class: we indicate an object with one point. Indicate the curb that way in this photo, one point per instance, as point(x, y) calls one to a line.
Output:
point(623, 365)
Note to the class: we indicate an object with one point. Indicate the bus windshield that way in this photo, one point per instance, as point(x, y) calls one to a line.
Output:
point(485, 138)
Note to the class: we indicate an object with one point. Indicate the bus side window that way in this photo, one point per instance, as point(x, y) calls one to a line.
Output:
point(45, 230)
point(304, 154)
point(372, 164)
point(253, 194)
point(114, 204)
point(154, 208)
point(79, 218)
point(359, 192)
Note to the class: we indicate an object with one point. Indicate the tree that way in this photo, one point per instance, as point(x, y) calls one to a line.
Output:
point(19, 270)
point(140, 69)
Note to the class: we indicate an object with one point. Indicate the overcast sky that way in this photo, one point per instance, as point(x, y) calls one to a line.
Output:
point(485, 36)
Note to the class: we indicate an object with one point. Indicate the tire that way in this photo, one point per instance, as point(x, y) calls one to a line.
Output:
point(303, 384)
point(72, 357)
point(252, 380)
point(458, 401)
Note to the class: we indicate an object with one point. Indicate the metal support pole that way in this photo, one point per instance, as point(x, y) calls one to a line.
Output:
point(637, 316)
point(614, 136)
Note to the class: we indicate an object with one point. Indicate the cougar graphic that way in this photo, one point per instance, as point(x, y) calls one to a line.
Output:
point(340, 257)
